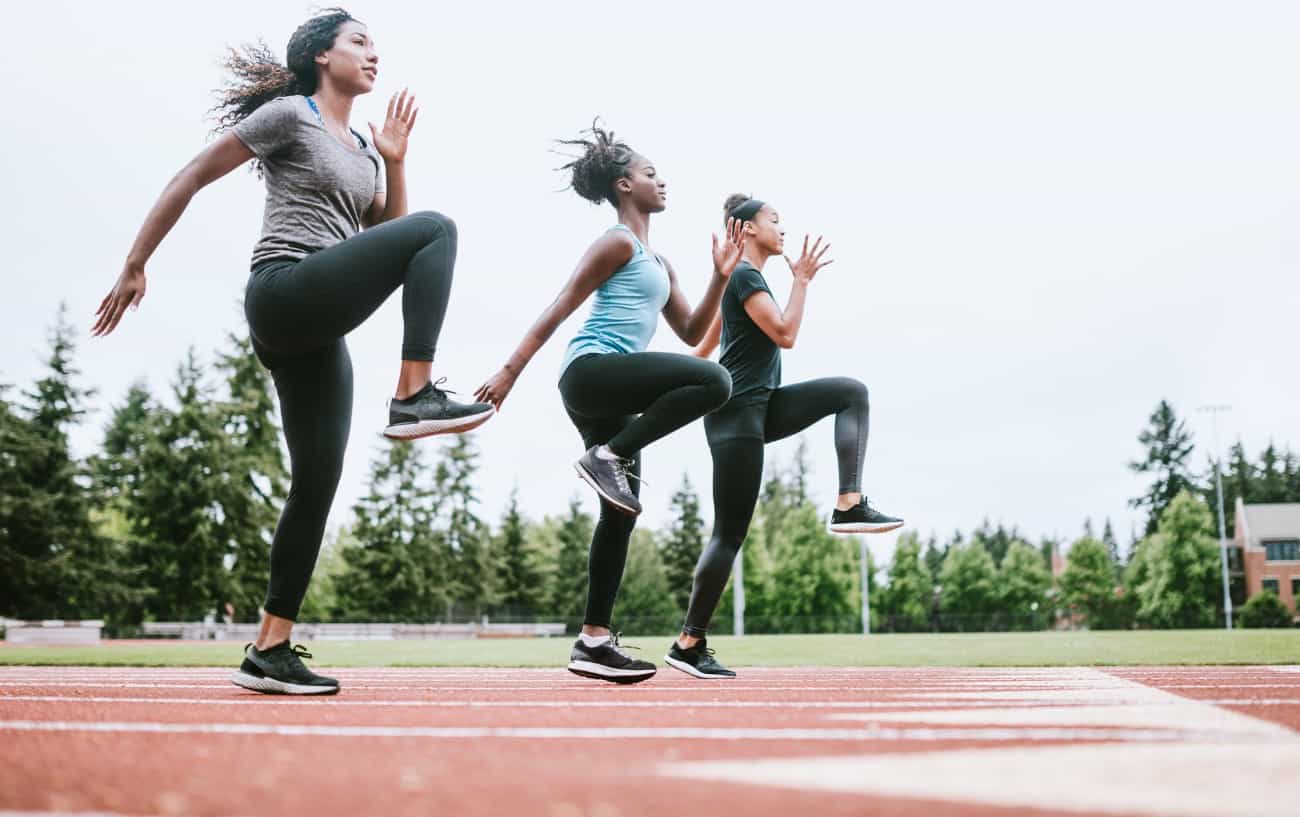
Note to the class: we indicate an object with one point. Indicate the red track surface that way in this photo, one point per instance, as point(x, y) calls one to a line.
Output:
point(513, 742)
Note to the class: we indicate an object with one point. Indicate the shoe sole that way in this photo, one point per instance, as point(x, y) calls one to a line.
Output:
point(693, 672)
point(270, 686)
point(595, 486)
point(590, 669)
point(428, 428)
point(865, 527)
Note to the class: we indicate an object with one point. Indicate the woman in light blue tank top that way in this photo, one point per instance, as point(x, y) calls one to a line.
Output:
point(620, 397)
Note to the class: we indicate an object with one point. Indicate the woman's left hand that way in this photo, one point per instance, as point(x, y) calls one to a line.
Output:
point(400, 120)
point(727, 252)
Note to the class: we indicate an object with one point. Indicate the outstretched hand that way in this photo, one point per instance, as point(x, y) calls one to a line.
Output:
point(810, 260)
point(127, 292)
point(398, 123)
point(728, 251)
point(496, 388)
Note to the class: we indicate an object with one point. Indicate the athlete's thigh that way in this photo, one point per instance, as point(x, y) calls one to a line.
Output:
point(737, 479)
point(333, 291)
point(629, 384)
point(791, 409)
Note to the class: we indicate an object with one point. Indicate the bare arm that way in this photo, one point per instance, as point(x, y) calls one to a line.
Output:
point(391, 143)
point(711, 338)
point(690, 325)
point(602, 259)
point(782, 326)
point(213, 162)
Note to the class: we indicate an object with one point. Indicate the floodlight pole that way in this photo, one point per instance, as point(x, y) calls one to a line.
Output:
point(1214, 412)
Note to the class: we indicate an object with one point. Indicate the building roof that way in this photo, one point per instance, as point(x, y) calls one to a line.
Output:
point(1276, 520)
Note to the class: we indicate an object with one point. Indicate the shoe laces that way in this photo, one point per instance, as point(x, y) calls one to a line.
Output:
point(441, 393)
point(615, 643)
point(300, 651)
point(623, 470)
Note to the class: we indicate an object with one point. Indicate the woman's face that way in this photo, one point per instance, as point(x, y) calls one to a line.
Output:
point(643, 187)
point(765, 231)
point(351, 62)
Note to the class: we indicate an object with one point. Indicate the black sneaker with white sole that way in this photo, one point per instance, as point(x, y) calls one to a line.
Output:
point(862, 518)
point(280, 671)
point(430, 411)
point(698, 661)
point(607, 662)
point(608, 475)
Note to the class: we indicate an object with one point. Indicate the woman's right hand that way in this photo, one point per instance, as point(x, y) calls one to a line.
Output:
point(127, 292)
point(810, 261)
point(496, 388)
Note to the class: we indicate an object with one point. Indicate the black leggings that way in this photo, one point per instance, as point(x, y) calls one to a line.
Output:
point(736, 438)
point(604, 394)
point(298, 313)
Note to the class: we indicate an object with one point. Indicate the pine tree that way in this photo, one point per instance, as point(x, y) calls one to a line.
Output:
point(1271, 477)
point(569, 583)
point(396, 568)
point(995, 540)
point(518, 581)
point(934, 555)
point(255, 481)
point(1112, 547)
point(682, 544)
point(1024, 584)
point(177, 510)
point(62, 566)
point(906, 600)
point(466, 535)
point(1168, 446)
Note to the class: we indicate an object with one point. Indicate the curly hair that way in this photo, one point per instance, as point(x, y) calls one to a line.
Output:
point(604, 160)
point(258, 77)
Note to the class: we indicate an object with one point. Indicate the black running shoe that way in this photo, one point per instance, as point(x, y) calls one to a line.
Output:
point(430, 411)
point(862, 518)
point(609, 477)
point(608, 662)
point(280, 671)
point(697, 661)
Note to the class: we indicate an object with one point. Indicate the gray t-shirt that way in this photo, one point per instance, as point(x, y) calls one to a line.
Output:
point(317, 188)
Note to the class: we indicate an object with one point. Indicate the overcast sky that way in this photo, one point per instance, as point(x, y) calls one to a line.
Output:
point(1046, 217)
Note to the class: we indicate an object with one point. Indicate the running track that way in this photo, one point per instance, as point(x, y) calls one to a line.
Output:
point(886, 741)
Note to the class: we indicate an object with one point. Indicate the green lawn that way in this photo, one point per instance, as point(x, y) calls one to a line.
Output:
point(921, 650)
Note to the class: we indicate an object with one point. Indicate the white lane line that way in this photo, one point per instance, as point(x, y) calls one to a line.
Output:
point(1177, 780)
point(692, 733)
point(1167, 715)
point(573, 685)
point(1165, 780)
point(975, 708)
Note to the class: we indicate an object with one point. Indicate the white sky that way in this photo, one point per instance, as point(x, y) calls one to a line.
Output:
point(1046, 217)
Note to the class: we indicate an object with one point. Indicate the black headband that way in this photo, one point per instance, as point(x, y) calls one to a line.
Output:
point(746, 210)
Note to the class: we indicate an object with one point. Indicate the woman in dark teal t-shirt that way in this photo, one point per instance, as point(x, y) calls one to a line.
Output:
point(753, 330)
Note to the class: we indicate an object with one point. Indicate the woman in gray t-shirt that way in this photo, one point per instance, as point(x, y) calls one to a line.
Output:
point(315, 277)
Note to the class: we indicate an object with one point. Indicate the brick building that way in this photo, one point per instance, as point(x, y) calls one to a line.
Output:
point(1265, 553)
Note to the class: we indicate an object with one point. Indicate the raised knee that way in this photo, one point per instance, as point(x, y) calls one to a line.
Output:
point(438, 224)
point(718, 383)
point(858, 391)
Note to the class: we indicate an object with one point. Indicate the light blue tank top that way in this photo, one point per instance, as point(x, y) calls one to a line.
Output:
point(625, 311)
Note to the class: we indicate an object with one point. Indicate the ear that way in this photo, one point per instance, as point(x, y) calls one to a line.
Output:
point(623, 185)
point(321, 59)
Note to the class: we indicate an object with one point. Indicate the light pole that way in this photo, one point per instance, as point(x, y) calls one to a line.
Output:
point(1214, 412)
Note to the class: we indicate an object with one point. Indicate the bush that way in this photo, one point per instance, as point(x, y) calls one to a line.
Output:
point(1265, 610)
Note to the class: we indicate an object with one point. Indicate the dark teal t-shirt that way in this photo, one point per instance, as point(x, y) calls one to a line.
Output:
point(753, 359)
